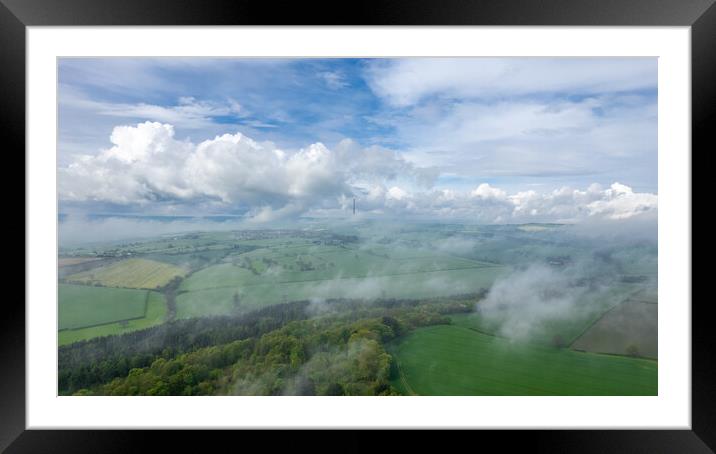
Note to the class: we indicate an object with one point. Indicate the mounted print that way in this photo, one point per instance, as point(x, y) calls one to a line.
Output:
point(347, 226)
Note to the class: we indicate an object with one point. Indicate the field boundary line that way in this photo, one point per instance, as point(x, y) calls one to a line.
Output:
point(617, 355)
point(594, 322)
point(404, 381)
point(103, 324)
point(644, 302)
point(483, 332)
point(146, 304)
point(569, 347)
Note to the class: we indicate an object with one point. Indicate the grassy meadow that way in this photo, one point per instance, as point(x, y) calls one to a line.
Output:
point(454, 360)
point(83, 306)
point(155, 314)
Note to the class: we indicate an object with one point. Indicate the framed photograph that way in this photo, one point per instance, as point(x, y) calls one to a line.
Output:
point(418, 216)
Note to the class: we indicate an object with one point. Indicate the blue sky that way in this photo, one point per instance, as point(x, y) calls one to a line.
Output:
point(353, 127)
point(291, 102)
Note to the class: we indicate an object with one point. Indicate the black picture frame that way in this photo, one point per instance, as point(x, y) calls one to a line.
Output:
point(16, 15)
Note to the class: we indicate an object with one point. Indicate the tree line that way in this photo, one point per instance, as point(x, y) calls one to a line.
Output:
point(293, 348)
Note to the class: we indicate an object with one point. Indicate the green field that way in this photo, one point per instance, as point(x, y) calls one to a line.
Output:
point(130, 273)
point(190, 261)
point(318, 267)
point(223, 275)
point(300, 270)
point(83, 306)
point(454, 360)
point(155, 314)
point(218, 300)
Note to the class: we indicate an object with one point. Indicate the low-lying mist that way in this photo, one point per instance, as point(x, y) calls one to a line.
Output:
point(540, 298)
point(522, 302)
point(80, 230)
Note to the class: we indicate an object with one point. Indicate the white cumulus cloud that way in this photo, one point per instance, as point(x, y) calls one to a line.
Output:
point(146, 164)
point(491, 205)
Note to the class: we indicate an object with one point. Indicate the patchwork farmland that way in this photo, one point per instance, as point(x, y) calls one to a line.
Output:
point(274, 275)
point(433, 283)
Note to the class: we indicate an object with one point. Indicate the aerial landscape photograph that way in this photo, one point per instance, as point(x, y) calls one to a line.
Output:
point(357, 226)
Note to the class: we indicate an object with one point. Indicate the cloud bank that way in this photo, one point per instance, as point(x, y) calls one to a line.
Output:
point(148, 167)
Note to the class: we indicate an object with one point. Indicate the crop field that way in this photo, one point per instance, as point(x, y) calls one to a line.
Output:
point(193, 260)
point(220, 300)
point(83, 306)
point(629, 329)
point(273, 275)
point(313, 263)
point(129, 273)
point(216, 276)
point(454, 360)
point(297, 271)
point(581, 317)
point(155, 314)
